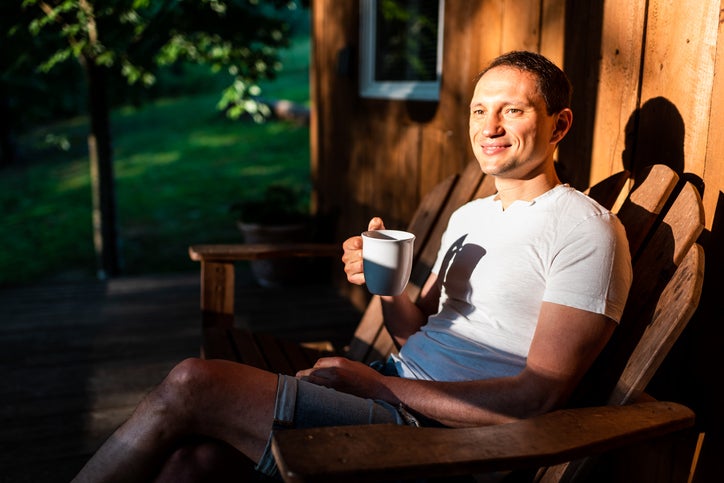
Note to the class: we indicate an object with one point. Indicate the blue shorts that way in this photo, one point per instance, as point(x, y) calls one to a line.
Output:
point(301, 404)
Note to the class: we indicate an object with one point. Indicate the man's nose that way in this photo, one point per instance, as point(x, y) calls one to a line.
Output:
point(492, 127)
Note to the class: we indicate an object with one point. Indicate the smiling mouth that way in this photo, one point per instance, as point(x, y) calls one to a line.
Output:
point(494, 148)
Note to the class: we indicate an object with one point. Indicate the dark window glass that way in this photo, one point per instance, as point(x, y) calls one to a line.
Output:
point(406, 40)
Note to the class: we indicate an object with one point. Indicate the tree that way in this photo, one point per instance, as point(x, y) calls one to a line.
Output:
point(133, 38)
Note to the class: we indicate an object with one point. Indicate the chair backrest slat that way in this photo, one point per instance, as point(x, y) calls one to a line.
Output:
point(644, 203)
point(607, 191)
point(668, 278)
point(662, 249)
point(674, 309)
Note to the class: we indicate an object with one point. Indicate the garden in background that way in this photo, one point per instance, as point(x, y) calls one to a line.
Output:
point(180, 164)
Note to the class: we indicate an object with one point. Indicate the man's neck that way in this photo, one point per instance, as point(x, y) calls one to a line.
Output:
point(512, 190)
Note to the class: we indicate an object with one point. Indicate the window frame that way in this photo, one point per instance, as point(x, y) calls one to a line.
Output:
point(395, 90)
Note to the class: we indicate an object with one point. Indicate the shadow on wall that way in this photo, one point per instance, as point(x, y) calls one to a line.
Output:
point(655, 134)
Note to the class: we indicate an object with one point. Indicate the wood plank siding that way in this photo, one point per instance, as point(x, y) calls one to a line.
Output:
point(648, 86)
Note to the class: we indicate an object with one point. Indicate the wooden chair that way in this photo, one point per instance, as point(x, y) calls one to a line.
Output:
point(663, 219)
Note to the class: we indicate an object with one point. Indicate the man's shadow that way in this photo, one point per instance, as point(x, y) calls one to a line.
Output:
point(654, 134)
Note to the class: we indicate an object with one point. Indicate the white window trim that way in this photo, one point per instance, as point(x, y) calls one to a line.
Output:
point(399, 90)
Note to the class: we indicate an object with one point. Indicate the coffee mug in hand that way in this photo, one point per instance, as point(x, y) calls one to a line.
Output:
point(387, 256)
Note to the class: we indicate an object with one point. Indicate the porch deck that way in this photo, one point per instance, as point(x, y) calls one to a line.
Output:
point(76, 357)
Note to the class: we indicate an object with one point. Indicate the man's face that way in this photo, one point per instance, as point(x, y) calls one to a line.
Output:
point(511, 134)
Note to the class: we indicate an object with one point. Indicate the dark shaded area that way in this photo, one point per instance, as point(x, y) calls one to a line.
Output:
point(582, 51)
point(654, 135)
point(76, 358)
point(691, 373)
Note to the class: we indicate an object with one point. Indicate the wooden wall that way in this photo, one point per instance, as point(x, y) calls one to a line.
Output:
point(648, 85)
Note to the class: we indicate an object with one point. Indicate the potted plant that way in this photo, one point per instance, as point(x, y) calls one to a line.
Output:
point(279, 215)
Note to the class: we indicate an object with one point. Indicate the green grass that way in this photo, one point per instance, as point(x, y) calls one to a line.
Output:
point(179, 164)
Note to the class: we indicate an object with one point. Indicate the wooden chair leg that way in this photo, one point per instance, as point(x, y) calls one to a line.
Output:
point(217, 294)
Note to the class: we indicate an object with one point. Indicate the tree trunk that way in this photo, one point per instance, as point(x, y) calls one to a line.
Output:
point(8, 149)
point(101, 166)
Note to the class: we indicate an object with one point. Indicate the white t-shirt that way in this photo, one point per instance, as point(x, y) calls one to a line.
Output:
point(497, 266)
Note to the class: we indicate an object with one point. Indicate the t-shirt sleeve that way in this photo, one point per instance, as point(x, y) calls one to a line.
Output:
point(592, 269)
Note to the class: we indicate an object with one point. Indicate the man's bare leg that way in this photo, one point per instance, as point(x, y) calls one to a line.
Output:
point(216, 399)
point(207, 460)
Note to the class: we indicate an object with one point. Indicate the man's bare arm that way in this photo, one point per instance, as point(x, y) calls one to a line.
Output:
point(403, 317)
point(564, 346)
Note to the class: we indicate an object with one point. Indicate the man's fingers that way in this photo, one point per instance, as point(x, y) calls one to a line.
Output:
point(353, 243)
point(376, 223)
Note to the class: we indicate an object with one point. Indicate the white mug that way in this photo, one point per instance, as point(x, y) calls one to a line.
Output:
point(387, 256)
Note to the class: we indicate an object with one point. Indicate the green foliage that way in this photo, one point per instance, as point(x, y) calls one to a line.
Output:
point(179, 167)
point(178, 164)
point(135, 37)
point(25, 93)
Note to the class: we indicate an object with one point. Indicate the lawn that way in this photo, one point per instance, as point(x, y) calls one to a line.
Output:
point(179, 165)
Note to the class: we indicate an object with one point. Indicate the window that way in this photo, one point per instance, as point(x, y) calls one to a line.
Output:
point(401, 48)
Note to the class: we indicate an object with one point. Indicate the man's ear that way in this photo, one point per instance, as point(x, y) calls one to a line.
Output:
point(563, 122)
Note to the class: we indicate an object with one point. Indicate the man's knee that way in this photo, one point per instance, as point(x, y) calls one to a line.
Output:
point(175, 395)
point(205, 397)
point(189, 377)
point(189, 373)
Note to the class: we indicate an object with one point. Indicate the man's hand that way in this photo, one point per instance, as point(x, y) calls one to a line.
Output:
point(352, 256)
point(346, 376)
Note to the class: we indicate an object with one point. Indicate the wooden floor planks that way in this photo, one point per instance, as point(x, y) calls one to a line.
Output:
point(76, 357)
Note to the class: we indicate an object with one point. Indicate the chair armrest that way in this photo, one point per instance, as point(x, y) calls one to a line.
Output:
point(231, 253)
point(381, 452)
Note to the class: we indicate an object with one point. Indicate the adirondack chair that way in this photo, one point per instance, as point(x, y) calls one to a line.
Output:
point(663, 218)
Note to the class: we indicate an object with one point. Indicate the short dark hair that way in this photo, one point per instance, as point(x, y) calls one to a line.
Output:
point(553, 83)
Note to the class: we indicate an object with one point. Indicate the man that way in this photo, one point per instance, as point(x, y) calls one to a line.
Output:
point(527, 289)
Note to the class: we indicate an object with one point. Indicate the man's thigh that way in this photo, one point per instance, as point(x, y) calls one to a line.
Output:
point(321, 406)
point(227, 401)
point(301, 404)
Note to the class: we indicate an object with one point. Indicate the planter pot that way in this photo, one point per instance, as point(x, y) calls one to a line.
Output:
point(275, 272)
